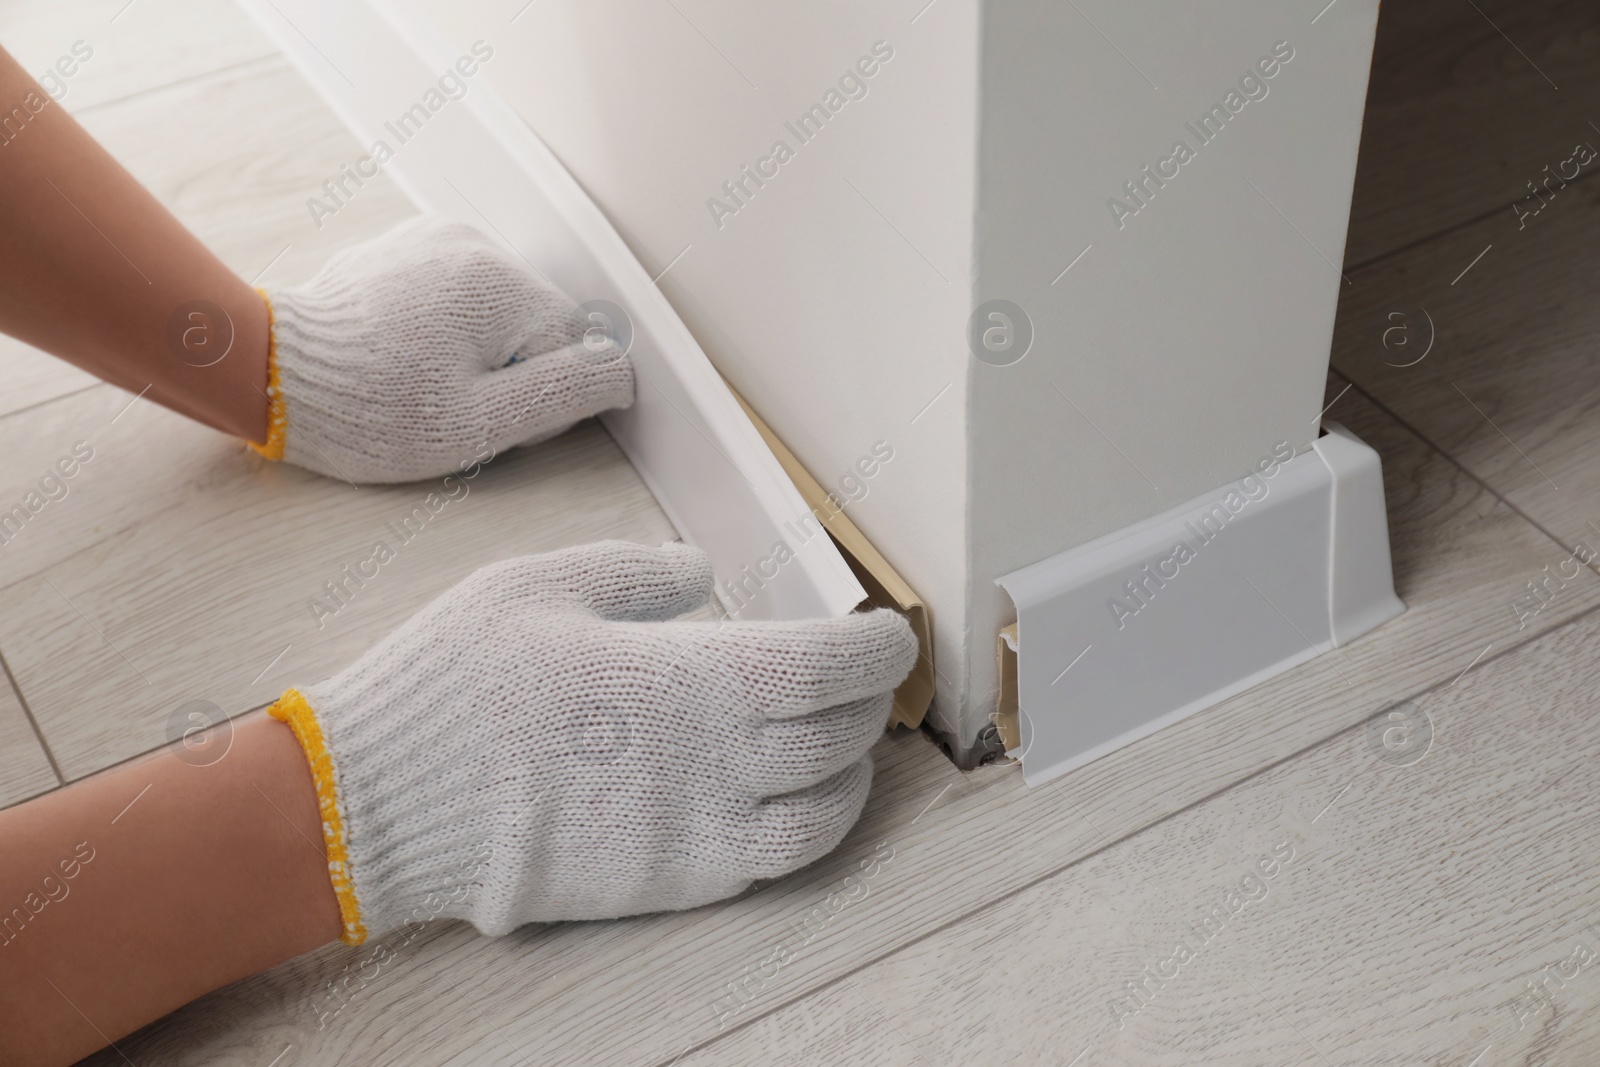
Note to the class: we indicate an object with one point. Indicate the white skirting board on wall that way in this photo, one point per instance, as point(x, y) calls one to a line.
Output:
point(1134, 631)
point(468, 156)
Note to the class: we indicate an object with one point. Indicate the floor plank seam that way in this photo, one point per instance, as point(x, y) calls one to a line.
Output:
point(1112, 844)
point(33, 722)
point(1351, 268)
point(52, 399)
point(61, 776)
point(1425, 439)
point(269, 60)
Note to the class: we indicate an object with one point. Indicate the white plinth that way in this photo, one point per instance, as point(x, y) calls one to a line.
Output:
point(1132, 632)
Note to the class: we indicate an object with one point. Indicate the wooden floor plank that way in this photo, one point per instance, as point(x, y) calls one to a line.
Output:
point(1459, 116)
point(1511, 387)
point(1422, 899)
point(31, 377)
point(643, 990)
point(132, 46)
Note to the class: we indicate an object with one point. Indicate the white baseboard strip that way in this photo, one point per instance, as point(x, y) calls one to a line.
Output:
point(474, 159)
point(1132, 632)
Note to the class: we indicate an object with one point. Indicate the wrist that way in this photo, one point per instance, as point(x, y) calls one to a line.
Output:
point(407, 840)
point(311, 914)
point(293, 711)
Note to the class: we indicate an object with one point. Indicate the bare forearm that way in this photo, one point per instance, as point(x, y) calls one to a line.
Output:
point(130, 893)
point(98, 273)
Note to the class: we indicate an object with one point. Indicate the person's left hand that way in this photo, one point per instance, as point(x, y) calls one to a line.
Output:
point(548, 741)
point(408, 354)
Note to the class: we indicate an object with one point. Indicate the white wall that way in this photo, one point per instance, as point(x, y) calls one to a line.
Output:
point(834, 300)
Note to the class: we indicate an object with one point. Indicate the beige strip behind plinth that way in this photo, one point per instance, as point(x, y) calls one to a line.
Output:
point(1005, 711)
point(885, 587)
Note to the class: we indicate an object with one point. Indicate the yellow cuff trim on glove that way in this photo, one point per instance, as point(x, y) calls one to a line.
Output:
point(293, 709)
point(277, 413)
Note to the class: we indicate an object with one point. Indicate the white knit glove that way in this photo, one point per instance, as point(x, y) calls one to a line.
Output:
point(391, 365)
point(541, 744)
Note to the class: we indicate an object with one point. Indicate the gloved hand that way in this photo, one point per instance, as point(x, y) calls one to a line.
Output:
point(541, 744)
point(391, 364)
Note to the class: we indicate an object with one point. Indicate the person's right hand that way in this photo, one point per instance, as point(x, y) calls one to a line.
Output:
point(407, 354)
point(544, 742)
